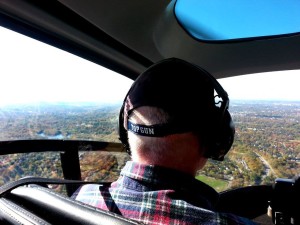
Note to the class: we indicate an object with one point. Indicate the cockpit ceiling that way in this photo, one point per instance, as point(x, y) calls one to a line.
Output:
point(135, 34)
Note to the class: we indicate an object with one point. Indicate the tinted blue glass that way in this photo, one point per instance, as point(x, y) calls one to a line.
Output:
point(235, 19)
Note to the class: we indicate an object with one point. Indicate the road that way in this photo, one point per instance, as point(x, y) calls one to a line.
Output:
point(269, 169)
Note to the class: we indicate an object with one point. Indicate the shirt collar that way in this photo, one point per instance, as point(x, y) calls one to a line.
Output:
point(168, 178)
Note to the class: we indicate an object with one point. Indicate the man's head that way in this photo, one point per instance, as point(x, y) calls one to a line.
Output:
point(185, 96)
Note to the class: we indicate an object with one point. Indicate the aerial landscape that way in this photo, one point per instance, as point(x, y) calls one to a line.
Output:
point(266, 146)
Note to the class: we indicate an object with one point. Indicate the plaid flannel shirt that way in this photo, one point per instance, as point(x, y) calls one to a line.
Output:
point(157, 195)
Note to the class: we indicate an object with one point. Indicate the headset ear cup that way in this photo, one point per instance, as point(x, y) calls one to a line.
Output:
point(228, 129)
point(224, 137)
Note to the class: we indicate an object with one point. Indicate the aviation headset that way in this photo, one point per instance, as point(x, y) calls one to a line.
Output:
point(218, 133)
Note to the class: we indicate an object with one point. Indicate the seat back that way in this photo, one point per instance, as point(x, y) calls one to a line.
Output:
point(34, 204)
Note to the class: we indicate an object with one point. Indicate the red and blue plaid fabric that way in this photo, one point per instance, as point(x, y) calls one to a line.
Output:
point(158, 196)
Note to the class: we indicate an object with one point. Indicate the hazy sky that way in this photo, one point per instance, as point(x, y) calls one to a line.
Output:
point(264, 86)
point(36, 71)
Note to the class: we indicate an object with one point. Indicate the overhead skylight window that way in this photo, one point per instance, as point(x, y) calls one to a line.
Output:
point(216, 20)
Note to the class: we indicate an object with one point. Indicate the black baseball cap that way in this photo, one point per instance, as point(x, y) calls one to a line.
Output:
point(183, 90)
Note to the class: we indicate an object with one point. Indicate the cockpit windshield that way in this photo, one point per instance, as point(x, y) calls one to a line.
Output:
point(47, 93)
